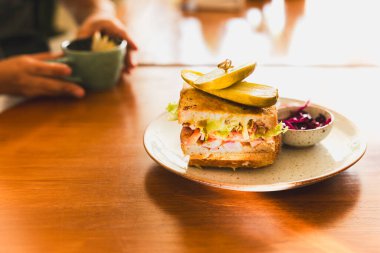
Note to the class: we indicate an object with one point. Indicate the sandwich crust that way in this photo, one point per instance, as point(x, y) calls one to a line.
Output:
point(196, 105)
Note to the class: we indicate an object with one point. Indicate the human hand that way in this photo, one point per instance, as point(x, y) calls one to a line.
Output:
point(32, 76)
point(112, 26)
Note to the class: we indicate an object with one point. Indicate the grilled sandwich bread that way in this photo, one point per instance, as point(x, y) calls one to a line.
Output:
point(220, 133)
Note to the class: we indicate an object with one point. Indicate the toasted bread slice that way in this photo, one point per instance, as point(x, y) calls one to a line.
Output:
point(196, 105)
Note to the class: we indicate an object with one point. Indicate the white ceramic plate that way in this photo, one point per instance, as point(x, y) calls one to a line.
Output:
point(293, 168)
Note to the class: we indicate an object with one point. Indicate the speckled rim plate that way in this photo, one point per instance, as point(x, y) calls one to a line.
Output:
point(293, 168)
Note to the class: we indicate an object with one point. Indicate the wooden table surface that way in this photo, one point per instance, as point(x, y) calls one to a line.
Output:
point(74, 177)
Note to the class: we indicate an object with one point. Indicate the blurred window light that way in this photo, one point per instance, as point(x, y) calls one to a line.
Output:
point(192, 45)
point(274, 15)
point(254, 17)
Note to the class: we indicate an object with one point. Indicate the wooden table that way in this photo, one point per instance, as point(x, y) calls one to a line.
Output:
point(74, 177)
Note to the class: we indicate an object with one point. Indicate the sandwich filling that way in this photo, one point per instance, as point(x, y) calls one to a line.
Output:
point(225, 135)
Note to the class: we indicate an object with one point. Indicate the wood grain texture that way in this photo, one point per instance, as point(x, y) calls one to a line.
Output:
point(74, 177)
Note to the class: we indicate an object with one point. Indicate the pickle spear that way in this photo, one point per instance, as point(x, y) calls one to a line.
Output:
point(246, 93)
point(224, 76)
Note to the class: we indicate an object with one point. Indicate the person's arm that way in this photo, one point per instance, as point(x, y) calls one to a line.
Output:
point(32, 76)
point(99, 15)
point(82, 9)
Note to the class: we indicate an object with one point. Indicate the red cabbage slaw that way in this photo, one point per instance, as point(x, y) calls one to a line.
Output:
point(302, 120)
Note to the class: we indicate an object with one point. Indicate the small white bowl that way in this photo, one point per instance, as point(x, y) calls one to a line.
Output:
point(309, 137)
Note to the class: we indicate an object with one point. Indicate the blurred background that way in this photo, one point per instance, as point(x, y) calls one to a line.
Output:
point(272, 32)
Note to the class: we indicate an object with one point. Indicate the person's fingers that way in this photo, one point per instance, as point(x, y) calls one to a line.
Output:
point(116, 29)
point(85, 32)
point(119, 30)
point(56, 87)
point(46, 56)
point(95, 24)
point(129, 61)
point(111, 26)
point(52, 69)
point(131, 44)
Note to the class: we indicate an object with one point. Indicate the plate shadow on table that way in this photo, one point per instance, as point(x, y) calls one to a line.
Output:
point(212, 216)
point(199, 210)
point(320, 204)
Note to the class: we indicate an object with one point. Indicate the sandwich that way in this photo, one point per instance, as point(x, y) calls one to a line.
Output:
point(221, 133)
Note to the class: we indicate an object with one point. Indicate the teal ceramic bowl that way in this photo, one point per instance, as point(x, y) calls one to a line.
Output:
point(95, 71)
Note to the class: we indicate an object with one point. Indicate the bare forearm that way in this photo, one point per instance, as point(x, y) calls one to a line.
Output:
point(81, 9)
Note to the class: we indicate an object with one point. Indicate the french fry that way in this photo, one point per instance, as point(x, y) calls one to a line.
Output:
point(101, 43)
